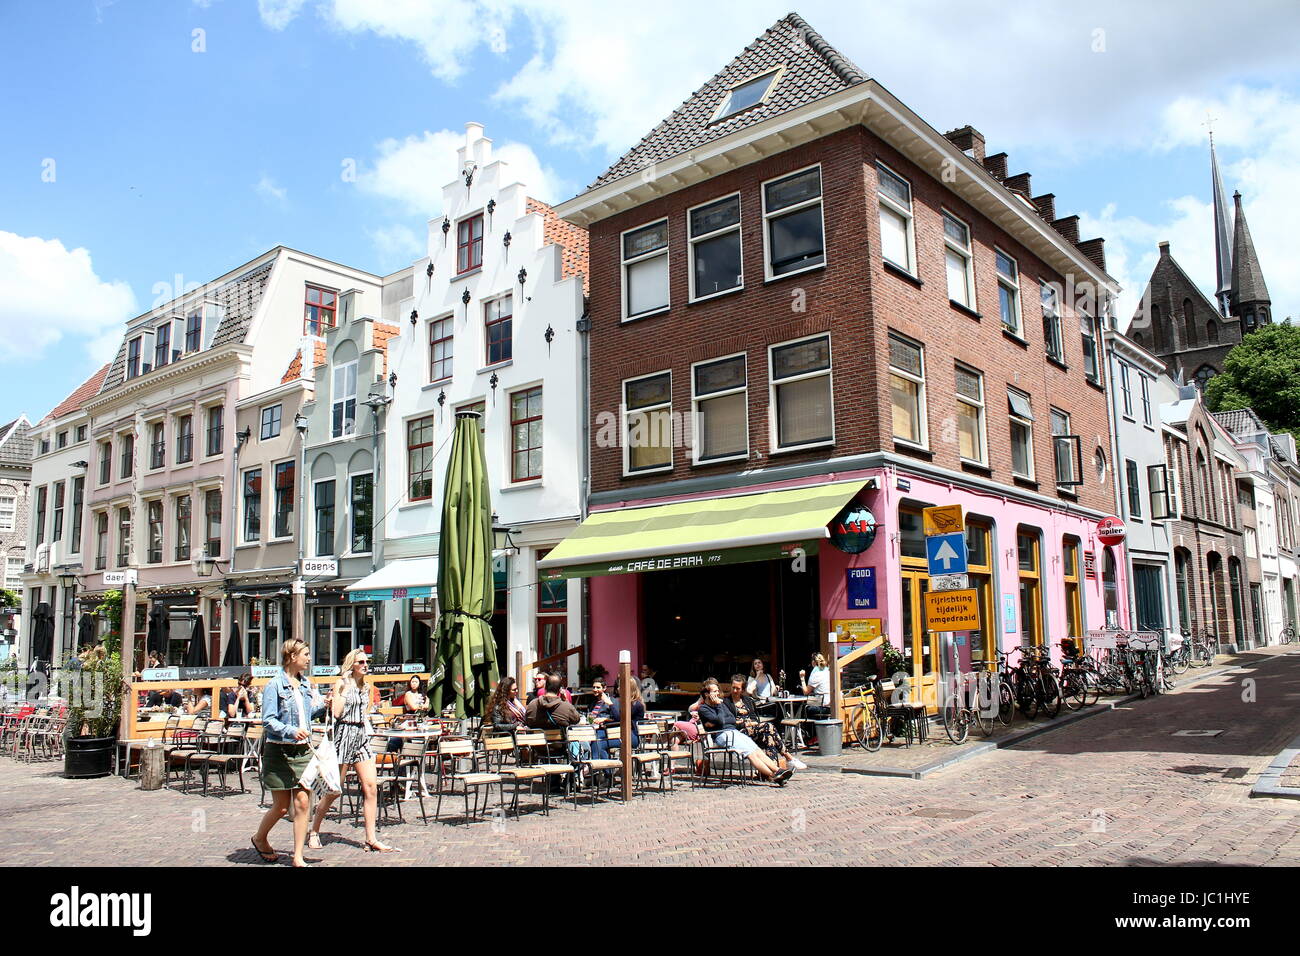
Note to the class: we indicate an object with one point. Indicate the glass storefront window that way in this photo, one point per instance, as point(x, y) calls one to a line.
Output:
point(912, 540)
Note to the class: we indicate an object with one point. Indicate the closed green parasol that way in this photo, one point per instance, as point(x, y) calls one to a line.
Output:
point(466, 668)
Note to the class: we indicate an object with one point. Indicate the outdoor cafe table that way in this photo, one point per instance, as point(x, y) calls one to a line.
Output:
point(792, 708)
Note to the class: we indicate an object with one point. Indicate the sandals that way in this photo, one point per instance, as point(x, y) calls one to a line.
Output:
point(313, 841)
point(267, 857)
point(380, 848)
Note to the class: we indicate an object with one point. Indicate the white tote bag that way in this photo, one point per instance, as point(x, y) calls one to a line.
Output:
point(323, 771)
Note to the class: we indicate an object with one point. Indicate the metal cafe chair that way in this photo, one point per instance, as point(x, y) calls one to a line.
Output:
point(527, 768)
point(584, 735)
point(447, 766)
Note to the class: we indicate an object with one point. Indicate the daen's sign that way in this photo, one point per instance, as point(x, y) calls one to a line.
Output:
point(952, 610)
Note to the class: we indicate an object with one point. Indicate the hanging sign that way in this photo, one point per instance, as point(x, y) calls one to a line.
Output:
point(320, 567)
point(861, 588)
point(853, 530)
point(115, 579)
point(1111, 530)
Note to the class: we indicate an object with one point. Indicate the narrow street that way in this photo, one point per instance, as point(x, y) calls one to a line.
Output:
point(1122, 788)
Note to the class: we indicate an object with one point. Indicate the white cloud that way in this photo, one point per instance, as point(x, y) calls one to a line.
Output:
point(397, 243)
point(412, 171)
point(278, 14)
point(52, 293)
point(1080, 79)
point(267, 189)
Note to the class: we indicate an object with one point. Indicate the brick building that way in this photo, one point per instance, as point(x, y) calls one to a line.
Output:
point(1211, 575)
point(806, 304)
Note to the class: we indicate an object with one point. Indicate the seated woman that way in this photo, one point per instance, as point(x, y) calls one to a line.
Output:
point(505, 712)
point(237, 701)
point(686, 732)
point(717, 718)
point(760, 685)
point(764, 733)
point(202, 702)
point(413, 700)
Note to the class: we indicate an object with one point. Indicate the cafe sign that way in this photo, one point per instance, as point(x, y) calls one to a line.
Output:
point(853, 529)
point(1111, 530)
point(692, 559)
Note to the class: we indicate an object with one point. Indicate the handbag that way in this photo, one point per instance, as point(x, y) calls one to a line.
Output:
point(322, 772)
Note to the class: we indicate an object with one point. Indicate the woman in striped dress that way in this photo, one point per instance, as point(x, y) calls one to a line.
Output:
point(350, 702)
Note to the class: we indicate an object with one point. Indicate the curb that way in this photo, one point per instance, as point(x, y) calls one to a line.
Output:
point(1017, 737)
point(1268, 786)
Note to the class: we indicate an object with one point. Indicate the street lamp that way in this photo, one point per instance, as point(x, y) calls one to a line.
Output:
point(501, 535)
point(203, 564)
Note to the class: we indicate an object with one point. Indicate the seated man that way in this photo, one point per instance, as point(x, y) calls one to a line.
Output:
point(550, 710)
point(165, 698)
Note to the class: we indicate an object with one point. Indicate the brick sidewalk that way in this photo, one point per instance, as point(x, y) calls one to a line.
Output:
point(1120, 788)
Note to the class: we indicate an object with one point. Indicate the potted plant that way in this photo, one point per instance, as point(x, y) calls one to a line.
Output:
point(95, 694)
point(894, 662)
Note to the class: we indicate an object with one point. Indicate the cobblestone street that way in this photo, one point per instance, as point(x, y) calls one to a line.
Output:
point(1122, 787)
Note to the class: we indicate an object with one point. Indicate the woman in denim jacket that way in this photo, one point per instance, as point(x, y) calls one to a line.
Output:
point(285, 753)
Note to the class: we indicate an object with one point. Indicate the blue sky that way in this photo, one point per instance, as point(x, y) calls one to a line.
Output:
point(130, 157)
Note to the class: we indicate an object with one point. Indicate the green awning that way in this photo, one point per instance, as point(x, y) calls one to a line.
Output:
point(703, 532)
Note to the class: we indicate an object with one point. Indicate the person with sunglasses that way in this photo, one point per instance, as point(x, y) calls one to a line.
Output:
point(350, 703)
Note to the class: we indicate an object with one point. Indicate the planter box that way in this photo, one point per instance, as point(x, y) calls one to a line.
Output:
point(87, 757)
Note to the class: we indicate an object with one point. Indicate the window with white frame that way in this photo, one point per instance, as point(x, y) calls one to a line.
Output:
point(647, 423)
point(8, 512)
point(133, 349)
point(1067, 451)
point(14, 573)
point(1008, 292)
point(194, 329)
point(419, 458)
point(442, 333)
point(1126, 389)
point(253, 504)
point(971, 442)
point(792, 221)
point(162, 349)
point(343, 405)
point(497, 322)
point(1146, 398)
point(721, 409)
point(284, 495)
point(271, 421)
point(645, 270)
point(907, 389)
point(1022, 434)
point(101, 541)
point(363, 512)
point(1091, 370)
point(123, 537)
point(959, 262)
point(183, 527)
point(324, 503)
point(896, 226)
point(713, 232)
point(801, 392)
point(1053, 340)
point(747, 94)
point(157, 445)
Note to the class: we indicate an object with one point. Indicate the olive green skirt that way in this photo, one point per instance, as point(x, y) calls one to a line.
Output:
point(284, 764)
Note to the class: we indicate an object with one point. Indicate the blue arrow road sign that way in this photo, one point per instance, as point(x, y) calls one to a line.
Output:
point(946, 553)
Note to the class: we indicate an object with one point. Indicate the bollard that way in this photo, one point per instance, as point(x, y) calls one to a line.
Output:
point(152, 767)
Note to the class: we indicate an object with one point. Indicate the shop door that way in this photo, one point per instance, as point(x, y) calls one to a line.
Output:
point(919, 641)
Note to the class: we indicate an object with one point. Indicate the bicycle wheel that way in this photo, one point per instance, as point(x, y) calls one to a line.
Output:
point(1006, 703)
point(1027, 698)
point(1050, 702)
point(955, 724)
point(1181, 661)
point(982, 709)
point(875, 728)
point(1075, 691)
point(1201, 655)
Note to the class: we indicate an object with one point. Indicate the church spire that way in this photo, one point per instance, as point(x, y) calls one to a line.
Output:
point(1222, 247)
point(1249, 294)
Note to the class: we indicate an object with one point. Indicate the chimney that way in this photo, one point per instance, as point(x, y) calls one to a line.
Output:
point(1164, 249)
point(1068, 227)
point(1020, 183)
point(1046, 204)
point(996, 166)
point(969, 140)
point(1095, 249)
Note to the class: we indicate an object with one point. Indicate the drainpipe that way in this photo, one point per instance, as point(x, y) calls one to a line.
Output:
point(583, 326)
point(1116, 459)
point(299, 588)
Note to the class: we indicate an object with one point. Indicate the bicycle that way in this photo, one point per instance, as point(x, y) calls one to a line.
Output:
point(866, 718)
point(1179, 658)
point(1287, 634)
point(963, 706)
point(1006, 691)
point(1074, 679)
point(1204, 646)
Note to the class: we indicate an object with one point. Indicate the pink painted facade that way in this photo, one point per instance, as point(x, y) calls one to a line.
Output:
point(618, 612)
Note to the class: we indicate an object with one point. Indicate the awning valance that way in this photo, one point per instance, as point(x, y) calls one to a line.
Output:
point(704, 532)
point(412, 578)
point(407, 578)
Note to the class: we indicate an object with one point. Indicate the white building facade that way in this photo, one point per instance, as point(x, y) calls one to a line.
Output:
point(493, 326)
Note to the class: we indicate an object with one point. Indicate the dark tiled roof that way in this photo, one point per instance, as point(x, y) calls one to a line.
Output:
point(240, 297)
point(15, 445)
point(1240, 421)
point(1247, 276)
point(83, 393)
point(813, 69)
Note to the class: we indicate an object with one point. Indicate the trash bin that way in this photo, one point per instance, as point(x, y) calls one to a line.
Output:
point(151, 768)
point(830, 737)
